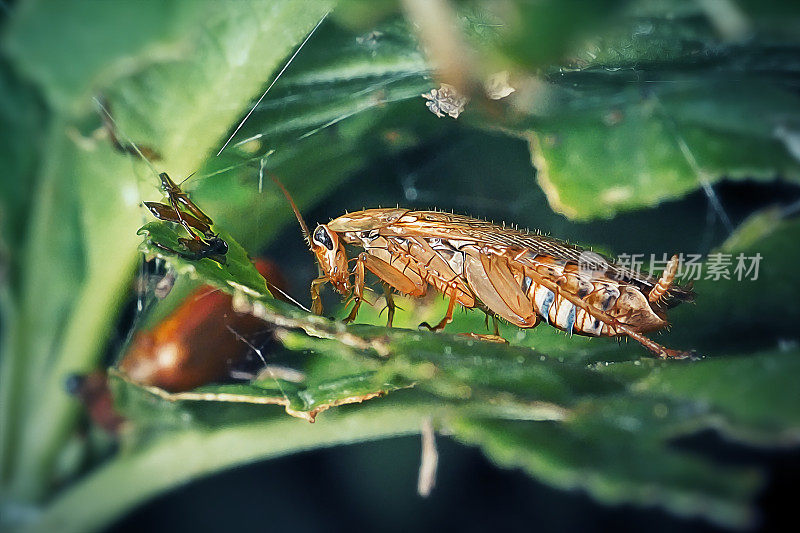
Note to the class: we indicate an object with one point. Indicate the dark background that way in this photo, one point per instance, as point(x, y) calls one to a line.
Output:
point(373, 485)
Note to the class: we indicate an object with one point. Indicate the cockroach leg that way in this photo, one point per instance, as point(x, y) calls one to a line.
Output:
point(316, 299)
point(448, 317)
point(358, 286)
point(665, 281)
point(488, 337)
point(390, 305)
point(657, 349)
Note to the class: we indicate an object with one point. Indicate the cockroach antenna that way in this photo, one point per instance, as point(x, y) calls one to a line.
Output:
point(303, 227)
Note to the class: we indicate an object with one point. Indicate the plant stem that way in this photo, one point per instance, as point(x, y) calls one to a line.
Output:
point(107, 494)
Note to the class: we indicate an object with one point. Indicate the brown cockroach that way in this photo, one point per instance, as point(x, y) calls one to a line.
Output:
point(519, 276)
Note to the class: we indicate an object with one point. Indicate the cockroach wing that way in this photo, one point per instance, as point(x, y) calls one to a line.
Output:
point(504, 302)
point(443, 275)
point(384, 265)
point(463, 230)
point(399, 280)
point(507, 285)
point(366, 220)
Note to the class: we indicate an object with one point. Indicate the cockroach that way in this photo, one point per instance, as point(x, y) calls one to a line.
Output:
point(198, 343)
point(522, 277)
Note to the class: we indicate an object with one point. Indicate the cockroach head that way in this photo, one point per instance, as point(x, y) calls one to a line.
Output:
point(331, 257)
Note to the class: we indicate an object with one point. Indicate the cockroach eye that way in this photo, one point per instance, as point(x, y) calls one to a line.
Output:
point(321, 237)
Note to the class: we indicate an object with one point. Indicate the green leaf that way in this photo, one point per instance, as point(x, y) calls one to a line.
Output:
point(178, 93)
point(317, 387)
point(752, 395)
point(341, 75)
point(161, 237)
point(631, 150)
point(136, 476)
point(614, 466)
point(657, 105)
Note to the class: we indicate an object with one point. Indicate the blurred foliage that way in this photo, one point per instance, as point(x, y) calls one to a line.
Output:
point(622, 105)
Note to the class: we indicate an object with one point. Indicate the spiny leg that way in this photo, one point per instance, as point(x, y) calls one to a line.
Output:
point(316, 299)
point(657, 349)
point(448, 317)
point(651, 345)
point(390, 305)
point(358, 289)
point(665, 281)
point(495, 322)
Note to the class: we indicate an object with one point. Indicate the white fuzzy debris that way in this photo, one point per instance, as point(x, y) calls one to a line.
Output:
point(445, 100)
point(497, 86)
point(245, 289)
point(429, 460)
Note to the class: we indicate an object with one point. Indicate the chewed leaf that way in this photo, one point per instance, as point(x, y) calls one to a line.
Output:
point(659, 104)
point(304, 400)
point(632, 151)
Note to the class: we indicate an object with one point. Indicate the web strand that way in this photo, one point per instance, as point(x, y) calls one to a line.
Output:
point(252, 109)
